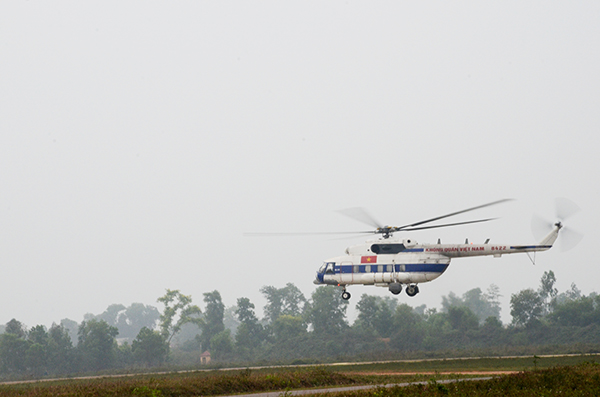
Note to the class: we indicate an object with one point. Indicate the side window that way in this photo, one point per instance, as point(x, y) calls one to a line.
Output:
point(356, 269)
point(329, 268)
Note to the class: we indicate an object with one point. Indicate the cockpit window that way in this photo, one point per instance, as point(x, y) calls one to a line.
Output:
point(322, 268)
point(389, 249)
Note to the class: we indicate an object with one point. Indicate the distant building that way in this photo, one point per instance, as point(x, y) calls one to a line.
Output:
point(205, 357)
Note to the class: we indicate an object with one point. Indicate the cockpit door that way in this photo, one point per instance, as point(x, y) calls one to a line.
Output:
point(330, 268)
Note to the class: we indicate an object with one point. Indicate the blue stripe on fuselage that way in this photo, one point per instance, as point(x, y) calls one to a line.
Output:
point(408, 268)
point(426, 267)
point(523, 247)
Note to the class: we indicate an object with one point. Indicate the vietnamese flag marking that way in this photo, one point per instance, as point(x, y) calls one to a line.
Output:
point(368, 259)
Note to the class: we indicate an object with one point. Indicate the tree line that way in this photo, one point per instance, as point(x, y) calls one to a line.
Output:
point(299, 329)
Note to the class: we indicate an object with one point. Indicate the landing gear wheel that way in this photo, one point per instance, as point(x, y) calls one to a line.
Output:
point(412, 290)
point(395, 288)
point(346, 295)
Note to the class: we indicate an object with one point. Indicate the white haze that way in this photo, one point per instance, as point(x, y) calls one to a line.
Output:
point(140, 140)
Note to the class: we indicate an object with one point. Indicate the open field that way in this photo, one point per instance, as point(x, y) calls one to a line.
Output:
point(217, 382)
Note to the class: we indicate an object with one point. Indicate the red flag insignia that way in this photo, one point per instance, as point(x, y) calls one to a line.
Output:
point(368, 259)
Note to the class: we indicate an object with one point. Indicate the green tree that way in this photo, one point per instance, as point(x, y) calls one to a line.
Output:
point(408, 330)
point(13, 352)
point(579, 312)
point(483, 305)
point(213, 318)
point(230, 319)
point(16, 328)
point(288, 300)
point(526, 307)
point(221, 345)
point(110, 315)
point(367, 307)
point(462, 318)
point(129, 320)
point(327, 311)
point(37, 349)
point(178, 311)
point(250, 333)
point(451, 300)
point(135, 317)
point(60, 352)
point(374, 313)
point(38, 335)
point(547, 291)
point(72, 328)
point(287, 328)
point(97, 344)
point(150, 347)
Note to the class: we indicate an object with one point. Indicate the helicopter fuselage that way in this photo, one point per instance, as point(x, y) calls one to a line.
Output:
point(393, 263)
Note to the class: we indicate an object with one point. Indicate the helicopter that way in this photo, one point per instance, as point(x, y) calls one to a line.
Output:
point(399, 264)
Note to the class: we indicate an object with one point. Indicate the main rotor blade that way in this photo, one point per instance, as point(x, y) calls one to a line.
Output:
point(452, 214)
point(302, 233)
point(447, 224)
point(360, 214)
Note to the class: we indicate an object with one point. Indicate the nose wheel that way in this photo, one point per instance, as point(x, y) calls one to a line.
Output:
point(346, 295)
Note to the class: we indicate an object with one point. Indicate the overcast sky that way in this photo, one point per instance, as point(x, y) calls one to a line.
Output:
point(140, 140)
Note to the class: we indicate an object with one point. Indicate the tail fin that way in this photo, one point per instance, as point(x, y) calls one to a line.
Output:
point(552, 236)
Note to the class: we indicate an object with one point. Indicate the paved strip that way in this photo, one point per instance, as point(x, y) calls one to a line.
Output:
point(305, 392)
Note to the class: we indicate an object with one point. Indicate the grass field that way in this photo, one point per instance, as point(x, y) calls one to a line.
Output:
point(542, 372)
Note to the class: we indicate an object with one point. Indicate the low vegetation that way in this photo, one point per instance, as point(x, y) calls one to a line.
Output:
point(579, 380)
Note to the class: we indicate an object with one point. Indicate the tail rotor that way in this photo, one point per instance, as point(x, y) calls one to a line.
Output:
point(565, 209)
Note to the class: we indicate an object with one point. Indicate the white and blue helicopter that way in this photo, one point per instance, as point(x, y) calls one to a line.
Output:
point(399, 264)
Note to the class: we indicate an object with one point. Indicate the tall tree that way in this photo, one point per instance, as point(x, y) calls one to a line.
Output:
point(375, 313)
point(150, 347)
point(288, 300)
point(72, 328)
point(327, 311)
point(483, 305)
point(97, 344)
point(367, 307)
point(111, 314)
point(135, 317)
point(287, 327)
point(250, 332)
point(462, 318)
point(60, 350)
point(178, 311)
point(13, 348)
point(407, 328)
point(547, 291)
point(213, 318)
point(37, 349)
point(526, 307)
point(15, 327)
point(221, 344)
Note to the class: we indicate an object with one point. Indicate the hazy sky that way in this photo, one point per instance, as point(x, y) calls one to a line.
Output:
point(140, 140)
